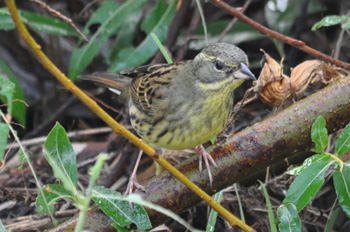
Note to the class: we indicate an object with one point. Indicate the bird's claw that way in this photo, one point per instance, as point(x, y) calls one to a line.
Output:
point(204, 155)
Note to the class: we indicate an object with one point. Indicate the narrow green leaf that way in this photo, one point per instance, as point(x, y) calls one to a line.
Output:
point(241, 212)
point(330, 20)
point(60, 191)
point(4, 130)
point(306, 185)
point(96, 169)
point(147, 48)
point(102, 15)
point(37, 23)
point(346, 25)
point(60, 154)
point(112, 20)
point(120, 211)
point(342, 187)
point(19, 108)
point(6, 92)
point(319, 134)
point(161, 48)
point(342, 144)
point(331, 221)
point(40, 204)
point(269, 209)
point(288, 217)
point(2, 227)
point(307, 162)
point(125, 36)
point(154, 16)
point(213, 214)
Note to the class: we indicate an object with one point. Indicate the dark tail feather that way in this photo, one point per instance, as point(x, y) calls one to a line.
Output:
point(118, 84)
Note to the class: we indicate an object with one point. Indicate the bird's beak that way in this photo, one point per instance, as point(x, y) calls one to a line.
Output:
point(244, 73)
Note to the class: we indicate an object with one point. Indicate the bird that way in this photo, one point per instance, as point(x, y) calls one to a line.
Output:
point(184, 104)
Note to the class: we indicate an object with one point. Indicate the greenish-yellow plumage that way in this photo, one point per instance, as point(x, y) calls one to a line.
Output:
point(182, 105)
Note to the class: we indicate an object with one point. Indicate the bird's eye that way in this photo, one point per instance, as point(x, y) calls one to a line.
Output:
point(219, 65)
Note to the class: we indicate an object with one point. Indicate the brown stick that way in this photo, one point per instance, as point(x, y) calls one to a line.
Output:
point(266, 31)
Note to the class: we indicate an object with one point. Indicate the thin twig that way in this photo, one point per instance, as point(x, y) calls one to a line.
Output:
point(233, 22)
point(271, 33)
point(61, 16)
point(72, 134)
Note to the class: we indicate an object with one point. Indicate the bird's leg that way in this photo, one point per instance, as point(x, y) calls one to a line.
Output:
point(204, 155)
point(133, 178)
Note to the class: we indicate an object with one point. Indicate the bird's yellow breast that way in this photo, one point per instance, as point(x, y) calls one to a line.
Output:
point(195, 122)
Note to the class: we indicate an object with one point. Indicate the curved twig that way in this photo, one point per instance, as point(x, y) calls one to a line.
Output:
point(271, 33)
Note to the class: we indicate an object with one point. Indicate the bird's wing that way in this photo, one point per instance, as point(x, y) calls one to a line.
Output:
point(147, 82)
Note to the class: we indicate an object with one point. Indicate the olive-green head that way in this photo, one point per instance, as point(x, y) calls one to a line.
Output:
point(220, 61)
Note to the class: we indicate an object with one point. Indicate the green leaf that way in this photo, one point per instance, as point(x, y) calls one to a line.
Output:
point(330, 20)
point(6, 92)
point(40, 202)
point(120, 211)
point(307, 162)
point(60, 191)
point(342, 144)
point(102, 15)
point(154, 16)
point(288, 217)
point(319, 134)
point(213, 214)
point(125, 36)
point(96, 169)
point(60, 154)
point(111, 18)
point(148, 47)
point(37, 23)
point(306, 185)
point(342, 187)
point(4, 130)
point(332, 219)
point(269, 209)
point(346, 25)
point(19, 107)
point(2, 227)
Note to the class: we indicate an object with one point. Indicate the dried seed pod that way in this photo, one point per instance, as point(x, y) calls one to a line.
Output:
point(272, 85)
point(277, 89)
point(312, 75)
point(271, 71)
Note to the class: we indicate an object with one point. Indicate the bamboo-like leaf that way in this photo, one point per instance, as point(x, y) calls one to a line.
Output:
point(4, 130)
point(18, 106)
point(306, 185)
point(319, 134)
point(37, 23)
point(330, 20)
point(288, 217)
point(120, 211)
point(148, 47)
point(342, 187)
point(60, 154)
point(342, 144)
point(307, 162)
point(112, 18)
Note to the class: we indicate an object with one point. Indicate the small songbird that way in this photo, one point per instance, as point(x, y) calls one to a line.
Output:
point(182, 105)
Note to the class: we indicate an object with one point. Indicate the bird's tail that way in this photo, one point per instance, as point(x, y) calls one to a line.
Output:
point(116, 83)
